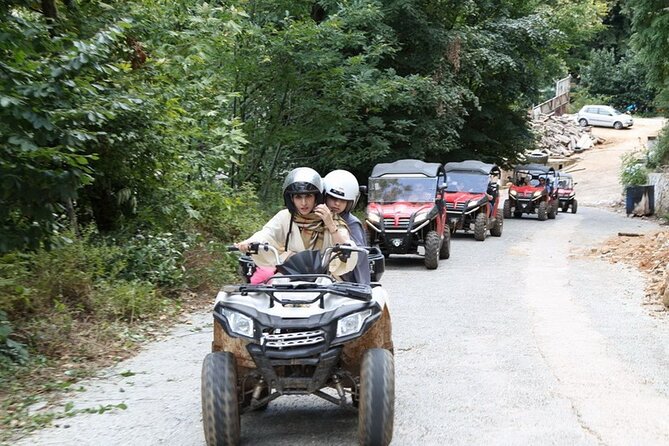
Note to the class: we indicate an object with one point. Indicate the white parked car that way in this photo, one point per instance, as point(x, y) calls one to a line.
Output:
point(603, 116)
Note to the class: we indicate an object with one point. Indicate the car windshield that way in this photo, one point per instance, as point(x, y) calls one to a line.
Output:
point(390, 190)
point(466, 182)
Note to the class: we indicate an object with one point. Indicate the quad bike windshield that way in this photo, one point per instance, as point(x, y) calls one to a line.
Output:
point(409, 189)
point(305, 262)
point(467, 182)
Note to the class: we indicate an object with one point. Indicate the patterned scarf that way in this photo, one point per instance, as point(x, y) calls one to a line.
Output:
point(312, 230)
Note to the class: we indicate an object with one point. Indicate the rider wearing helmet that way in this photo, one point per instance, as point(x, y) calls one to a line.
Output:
point(306, 223)
point(341, 195)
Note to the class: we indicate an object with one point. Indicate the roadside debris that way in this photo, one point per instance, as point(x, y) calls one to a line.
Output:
point(561, 136)
point(648, 252)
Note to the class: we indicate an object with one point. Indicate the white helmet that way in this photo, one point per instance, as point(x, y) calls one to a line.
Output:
point(342, 184)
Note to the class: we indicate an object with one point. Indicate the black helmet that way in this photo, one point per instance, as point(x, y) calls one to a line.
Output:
point(303, 180)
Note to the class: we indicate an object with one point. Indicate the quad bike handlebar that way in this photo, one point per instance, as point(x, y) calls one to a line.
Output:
point(343, 251)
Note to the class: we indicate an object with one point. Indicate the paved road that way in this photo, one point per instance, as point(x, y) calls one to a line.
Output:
point(516, 340)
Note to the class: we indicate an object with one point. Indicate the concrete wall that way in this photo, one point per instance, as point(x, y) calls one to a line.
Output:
point(661, 183)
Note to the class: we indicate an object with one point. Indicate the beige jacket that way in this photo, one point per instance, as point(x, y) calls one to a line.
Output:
point(275, 231)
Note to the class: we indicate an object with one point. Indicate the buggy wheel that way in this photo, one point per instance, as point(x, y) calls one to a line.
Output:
point(445, 250)
point(432, 246)
point(574, 206)
point(542, 211)
point(518, 214)
point(480, 226)
point(377, 398)
point(565, 207)
point(220, 403)
point(507, 208)
point(552, 211)
point(496, 230)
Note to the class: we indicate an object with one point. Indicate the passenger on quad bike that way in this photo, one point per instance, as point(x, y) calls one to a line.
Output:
point(472, 198)
point(531, 192)
point(341, 195)
point(301, 333)
point(307, 223)
point(406, 210)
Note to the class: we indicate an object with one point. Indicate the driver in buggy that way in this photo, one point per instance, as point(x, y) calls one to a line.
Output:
point(305, 224)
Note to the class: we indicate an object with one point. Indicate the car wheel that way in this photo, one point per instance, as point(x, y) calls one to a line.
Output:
point(432, 246)
point(445, 250)
point(220, 405)
point(496, 230)
point(480, 226)
point(552, 211)
point(617, 125)
point(583, 122)
point(377, 398)
point(542, 211)
point(574, 206)
point(507, 208)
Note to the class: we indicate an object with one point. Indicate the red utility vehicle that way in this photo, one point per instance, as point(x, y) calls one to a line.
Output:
point(406, 210)
point(566, 192)
point(532, 192)
point(472, 198)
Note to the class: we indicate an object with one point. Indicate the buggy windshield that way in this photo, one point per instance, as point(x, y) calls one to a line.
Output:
point(529, 177)
point(412, 189)
point(467, 182)
point(565, 183)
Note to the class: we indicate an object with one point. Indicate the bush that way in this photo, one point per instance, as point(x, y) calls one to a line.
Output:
point(127, 301)
point(633, 171)
point(157, 259)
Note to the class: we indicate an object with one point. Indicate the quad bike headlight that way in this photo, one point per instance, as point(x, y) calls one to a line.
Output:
point(374, 218)
point(473, 204)
point(352, 323)
point(512, 192)
point(536, 194)
point(239, 323)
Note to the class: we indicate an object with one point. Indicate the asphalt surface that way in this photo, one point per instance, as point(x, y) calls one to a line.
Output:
point(521, 339)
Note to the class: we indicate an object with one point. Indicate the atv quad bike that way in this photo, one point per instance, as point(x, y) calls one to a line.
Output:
point(472, 198)
point(300, 333)
point(566, 193)
point(532, 192)
point(406, 210)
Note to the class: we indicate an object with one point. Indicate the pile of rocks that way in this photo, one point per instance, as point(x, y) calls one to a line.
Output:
point(561, 136)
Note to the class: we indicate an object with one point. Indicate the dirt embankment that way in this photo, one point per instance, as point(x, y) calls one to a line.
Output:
point(597, 173)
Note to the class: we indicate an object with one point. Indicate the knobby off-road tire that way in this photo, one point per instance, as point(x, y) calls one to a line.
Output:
point(574, 206)
point(507, 208)
point(445, 250)
point(376, 411)
point(496, 230)
point(552, 211)
point(542, 211)
point(220, 405)
point(565, 207)
point(432, 246)
point(480, 226)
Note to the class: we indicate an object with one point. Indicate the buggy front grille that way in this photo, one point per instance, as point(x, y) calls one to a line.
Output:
point(402, 223)
point(294, 339)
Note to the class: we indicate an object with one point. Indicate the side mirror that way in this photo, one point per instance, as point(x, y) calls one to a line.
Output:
point(363, 189)
point(442, 187)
